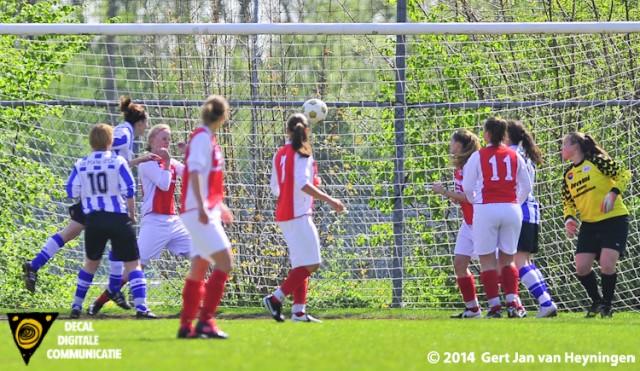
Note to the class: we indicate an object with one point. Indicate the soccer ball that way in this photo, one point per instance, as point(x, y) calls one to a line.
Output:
point(315, 110)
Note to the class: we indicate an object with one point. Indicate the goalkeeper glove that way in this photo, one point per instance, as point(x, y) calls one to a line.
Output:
point(571, 226)
point(608, 202)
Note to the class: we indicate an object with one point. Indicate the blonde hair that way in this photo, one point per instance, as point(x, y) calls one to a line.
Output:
point(155, 129)
point(214, 108)
point(101, 137)
point(469, 142)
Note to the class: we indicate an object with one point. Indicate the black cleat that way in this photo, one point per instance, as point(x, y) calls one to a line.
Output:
point(119, 299)
point(494, 314)
point(514, 311)
point(30, 276)
point(274, 309)
point(94, 308)
point(75, 313)
point(606, 312)
point(147, 314)
point(209, 330)
point(187, 333)
point(594, 309)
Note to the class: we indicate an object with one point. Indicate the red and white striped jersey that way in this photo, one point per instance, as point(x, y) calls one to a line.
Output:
point(204, 156)
point(290, 173)
point(158, 186)
point(496, 174)
point(467, 208)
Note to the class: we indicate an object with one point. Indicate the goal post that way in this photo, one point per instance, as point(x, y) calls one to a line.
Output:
point(555, 77)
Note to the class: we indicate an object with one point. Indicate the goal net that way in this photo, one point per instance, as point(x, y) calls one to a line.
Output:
point(393, 104)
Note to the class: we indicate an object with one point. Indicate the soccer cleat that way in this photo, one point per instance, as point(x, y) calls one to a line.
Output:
point(468, 314)
point(30, 276)
point(547, 312)
point(145, 314)
point(594, 309)
point(209, 330)
point(274, 309)
point(119, 299)
point(494, 314)
point(304, 318)
point(513, 311)
point(187, 333)
point(94, 308)
point(75, 313)
point(606, 312)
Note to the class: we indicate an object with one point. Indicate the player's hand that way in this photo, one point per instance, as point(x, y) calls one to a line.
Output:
point(202, 215)
point(226, 214)
point(150, 157)
point(336, 205)
point(571, 226)
point(182, 147)
point(608, 202)
point(438, 188)
point(317, 181)
point(164, 154)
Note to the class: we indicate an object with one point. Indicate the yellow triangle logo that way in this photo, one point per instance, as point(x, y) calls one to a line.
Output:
point(28, 331)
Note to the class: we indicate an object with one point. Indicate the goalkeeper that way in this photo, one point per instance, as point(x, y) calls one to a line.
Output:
point(592, 187)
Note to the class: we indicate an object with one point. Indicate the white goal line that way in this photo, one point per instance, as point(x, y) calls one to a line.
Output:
point(320, 28)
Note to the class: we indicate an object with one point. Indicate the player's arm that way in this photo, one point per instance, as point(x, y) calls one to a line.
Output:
point(613, 170)
point(275, 186)
point(303, 179)
point(127, 188)
point(524, 183)
point(568, 204)
point(179, 166)
point(158, 175)
point(73, 183)
point(470, 171)
point(144, 158)
point(452, 195)
point(200, 150)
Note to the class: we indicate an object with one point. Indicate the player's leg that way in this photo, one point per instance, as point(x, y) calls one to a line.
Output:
point(74, 227)
point(113, 290)
point(614, 246)
point(85, 277)
point(192, 296)
point(485, 240)
point(587, 249)
point(213, 291)
point(508, 235)
point(463, 252)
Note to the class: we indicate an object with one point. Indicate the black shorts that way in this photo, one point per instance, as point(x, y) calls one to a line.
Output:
point(76, 213)
point(610, 233)
point(103, 226)
point(528, 241)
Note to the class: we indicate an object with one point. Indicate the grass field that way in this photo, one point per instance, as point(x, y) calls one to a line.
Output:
point(347, 340)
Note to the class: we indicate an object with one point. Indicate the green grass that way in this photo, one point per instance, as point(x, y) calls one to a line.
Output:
point(347, 340)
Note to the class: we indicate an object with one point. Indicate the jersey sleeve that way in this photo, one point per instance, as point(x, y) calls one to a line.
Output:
point(199, 150)
point(73, 183)
point(275, 187)
point(127, 185)
point(470, 171)
point(524, 183)
point(569, 209)
point(613, 170)
point(179, 166)
point(160, 177)
point(303, 171)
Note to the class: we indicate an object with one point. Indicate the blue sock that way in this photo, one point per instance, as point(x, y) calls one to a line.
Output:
point(138, 285)
point(531, 278)
point(84, 282)
point(51, 247)
point(115, 274)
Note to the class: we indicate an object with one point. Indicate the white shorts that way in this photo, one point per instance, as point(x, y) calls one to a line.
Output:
point(206, 239)
point(303, 241)
point(158, 231)
point(496, 226)
point(464, 241)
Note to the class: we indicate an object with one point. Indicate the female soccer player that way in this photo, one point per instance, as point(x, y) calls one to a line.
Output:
point(591, 187)
point(520, 139)
point(160, 226)
point(295, 182)
point(497, 183)
point(203, 212)
point(104, 183)
point(463, 143)
point(135, 125)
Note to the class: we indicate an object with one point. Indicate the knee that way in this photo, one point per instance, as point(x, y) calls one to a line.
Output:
point(583, 270)
point(608, 268)
point(312, 268)
point(460, 268)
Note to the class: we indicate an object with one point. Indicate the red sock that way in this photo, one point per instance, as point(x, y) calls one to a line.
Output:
point(294, 280)
point(490, 283)
point(191, 298)
point(213, 294)
point(510, 280)
point(467, 287)
point(103, 299)
point(300, 294)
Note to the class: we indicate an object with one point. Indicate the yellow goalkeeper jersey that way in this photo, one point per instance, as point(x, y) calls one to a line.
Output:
point(587, 183)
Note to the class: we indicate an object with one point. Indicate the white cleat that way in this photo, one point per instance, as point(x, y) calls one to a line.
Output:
point(546, 312)
point(469, 314)
point(304, 318)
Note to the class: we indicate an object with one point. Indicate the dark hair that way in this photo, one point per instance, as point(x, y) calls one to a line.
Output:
point(132, 112)
point(214, 108)
point(470, 143)
point(297, 125)
point(497, 128)
point(587, 144)
point(519, 135)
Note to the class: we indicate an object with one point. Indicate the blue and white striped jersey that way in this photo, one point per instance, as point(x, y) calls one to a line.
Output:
point(530, 208)
point(103, 181)
point(123, 140)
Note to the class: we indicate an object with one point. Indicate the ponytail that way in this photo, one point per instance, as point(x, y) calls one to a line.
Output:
point(297, 125)
point(132, 112)
point(587, 144)
point(518, 135)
